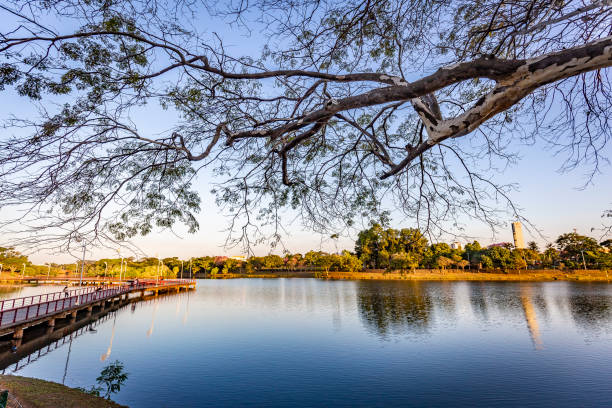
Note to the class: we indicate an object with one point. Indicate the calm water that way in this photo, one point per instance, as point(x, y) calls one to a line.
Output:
point(304, 342)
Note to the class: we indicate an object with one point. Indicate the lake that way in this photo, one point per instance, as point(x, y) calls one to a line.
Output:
point(307, 342)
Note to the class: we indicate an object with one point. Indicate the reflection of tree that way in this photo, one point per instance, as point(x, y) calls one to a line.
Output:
point(394, 307)
point(478, 299)
point(8, 292)
point(447, 298)
point(590, 311)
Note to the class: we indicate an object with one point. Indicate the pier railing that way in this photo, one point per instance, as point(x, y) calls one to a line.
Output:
point(45, 297)
point(51, 303)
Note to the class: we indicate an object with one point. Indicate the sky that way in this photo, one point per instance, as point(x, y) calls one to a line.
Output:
point(551, 200)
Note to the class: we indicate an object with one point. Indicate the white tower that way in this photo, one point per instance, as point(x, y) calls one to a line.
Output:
point(517, 234)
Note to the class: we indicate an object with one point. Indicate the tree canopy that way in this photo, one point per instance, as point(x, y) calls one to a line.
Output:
point(334, 109)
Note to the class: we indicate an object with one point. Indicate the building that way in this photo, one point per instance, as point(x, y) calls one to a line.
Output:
point(455, 245)
point(501, 245)
point(517, 234)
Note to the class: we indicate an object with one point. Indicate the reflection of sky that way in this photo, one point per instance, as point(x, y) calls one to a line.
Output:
point(309, 342)
point(15, 291)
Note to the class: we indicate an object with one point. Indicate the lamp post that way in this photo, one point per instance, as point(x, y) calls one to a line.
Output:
point(80, 238)
point(125, 269)
point(23, 270)
point(120, 269)
point(157, 272)
point(48, 270)
point(82, 266)
point(181, 269)
point(105, 269)
point(121, 265)
point(1, 266)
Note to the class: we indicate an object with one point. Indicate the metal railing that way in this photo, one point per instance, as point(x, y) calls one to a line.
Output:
point(80, 297)
point(45, 297)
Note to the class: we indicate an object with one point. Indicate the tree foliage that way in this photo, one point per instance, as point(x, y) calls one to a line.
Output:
point(346, 106)
point(113, 377)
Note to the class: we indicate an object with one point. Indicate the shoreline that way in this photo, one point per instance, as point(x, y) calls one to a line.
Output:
point(437, 275)
point(36, 393)
point(541, 275)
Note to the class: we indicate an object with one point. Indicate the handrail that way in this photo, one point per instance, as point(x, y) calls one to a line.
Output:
point(23, 301)
point(12, 303)
point(87, 296)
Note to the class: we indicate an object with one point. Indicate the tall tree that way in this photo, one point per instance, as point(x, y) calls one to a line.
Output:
point(346, 106)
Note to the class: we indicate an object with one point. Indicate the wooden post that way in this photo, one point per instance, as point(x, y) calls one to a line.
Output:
point(50, 326)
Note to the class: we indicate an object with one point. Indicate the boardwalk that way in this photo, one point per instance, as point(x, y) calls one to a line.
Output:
point(43, 279)
point(20, 313)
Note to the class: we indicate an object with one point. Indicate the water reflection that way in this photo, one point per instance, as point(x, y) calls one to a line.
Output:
point(150, 331)
point(453, 344)
point(591, 309)
point(394, 307)
point(106, 355)
point(39, 347)
point(186, 310)
point(531, 317)
point(390, 308)
point(41, 340)
point(479, 294)
point(67, 360)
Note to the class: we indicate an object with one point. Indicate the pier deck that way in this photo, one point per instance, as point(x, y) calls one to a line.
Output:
point(20, 313)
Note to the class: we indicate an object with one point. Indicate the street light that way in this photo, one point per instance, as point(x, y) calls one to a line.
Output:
point(121, 265)
point(79, 238)
point(48, 270)
point(125, 270)
point(105, 269)
point(181, 269)
point(157, 271)
point(82, 266)
point(23, 271)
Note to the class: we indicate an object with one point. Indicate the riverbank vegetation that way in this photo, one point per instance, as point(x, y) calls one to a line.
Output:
point(376, 249)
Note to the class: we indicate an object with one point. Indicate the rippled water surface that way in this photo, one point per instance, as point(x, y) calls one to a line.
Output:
point(305, 342)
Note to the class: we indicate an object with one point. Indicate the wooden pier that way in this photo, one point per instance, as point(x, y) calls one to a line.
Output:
point(19, 314)
point(65, 280)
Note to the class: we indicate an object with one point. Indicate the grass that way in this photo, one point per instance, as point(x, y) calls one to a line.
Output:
point(35, 393)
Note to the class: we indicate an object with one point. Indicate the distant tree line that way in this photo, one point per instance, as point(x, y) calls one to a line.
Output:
point(405, 249)
point(375, 248)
